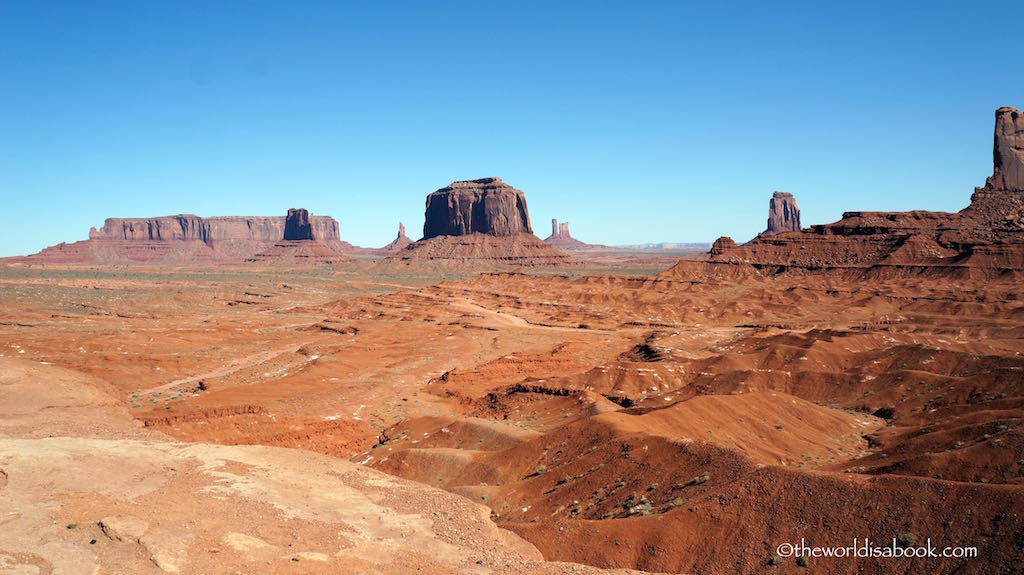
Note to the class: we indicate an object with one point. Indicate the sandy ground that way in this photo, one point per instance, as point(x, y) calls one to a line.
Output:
point(382, 420)
point(84, 488)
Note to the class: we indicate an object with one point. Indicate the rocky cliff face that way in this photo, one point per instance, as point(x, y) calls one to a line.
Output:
point(1008, 151)
point(783, 214)
point(297, 226)
point(485, 206)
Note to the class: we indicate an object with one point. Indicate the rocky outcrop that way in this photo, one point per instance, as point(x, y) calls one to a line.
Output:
point(561, 238)
point(483, 249)
point(722, 245)
point(1008, 152)
point(399, 243)
point(299, 246)
point(479, 222)
point(985, 239)
point(783, 214)
point(297, 226)
point(485, 206)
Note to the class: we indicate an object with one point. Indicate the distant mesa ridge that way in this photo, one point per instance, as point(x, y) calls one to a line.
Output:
point(209, 230)
point(298, 237)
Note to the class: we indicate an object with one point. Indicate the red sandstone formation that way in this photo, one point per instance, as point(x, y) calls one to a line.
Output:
point(299, 245)
point(1008, 151)
point(209, 230)
point(722, 245)
point(986, 238)
point(399, 243)
point(561, 239)
point(783, 214)
point(483, 219)
point(297, 226)
point(186, 239)
point(486, 206)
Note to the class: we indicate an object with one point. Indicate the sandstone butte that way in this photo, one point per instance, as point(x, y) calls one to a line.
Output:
point(479, 220)
point(783, 214)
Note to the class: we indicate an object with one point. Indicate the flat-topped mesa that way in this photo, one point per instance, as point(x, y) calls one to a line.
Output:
point(1007, 152)
point(297, 226)
point(485, 206)
point(188, 227)
point(783, 214)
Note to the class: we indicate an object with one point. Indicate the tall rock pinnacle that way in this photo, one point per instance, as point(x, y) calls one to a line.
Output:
point(783, 214)
point(1008, 151)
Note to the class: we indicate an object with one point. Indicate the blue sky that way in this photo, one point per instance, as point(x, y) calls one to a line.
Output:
point(636, 122)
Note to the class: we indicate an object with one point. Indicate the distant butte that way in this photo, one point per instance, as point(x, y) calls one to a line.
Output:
point(485, 206)
point(480, 220)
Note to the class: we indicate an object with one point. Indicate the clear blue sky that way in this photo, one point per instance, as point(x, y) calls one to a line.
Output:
point(636, 122)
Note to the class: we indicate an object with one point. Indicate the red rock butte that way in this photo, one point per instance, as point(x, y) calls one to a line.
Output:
point(485, 206)
point(1008, 151)
point(783, 214)
point(484, 220)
